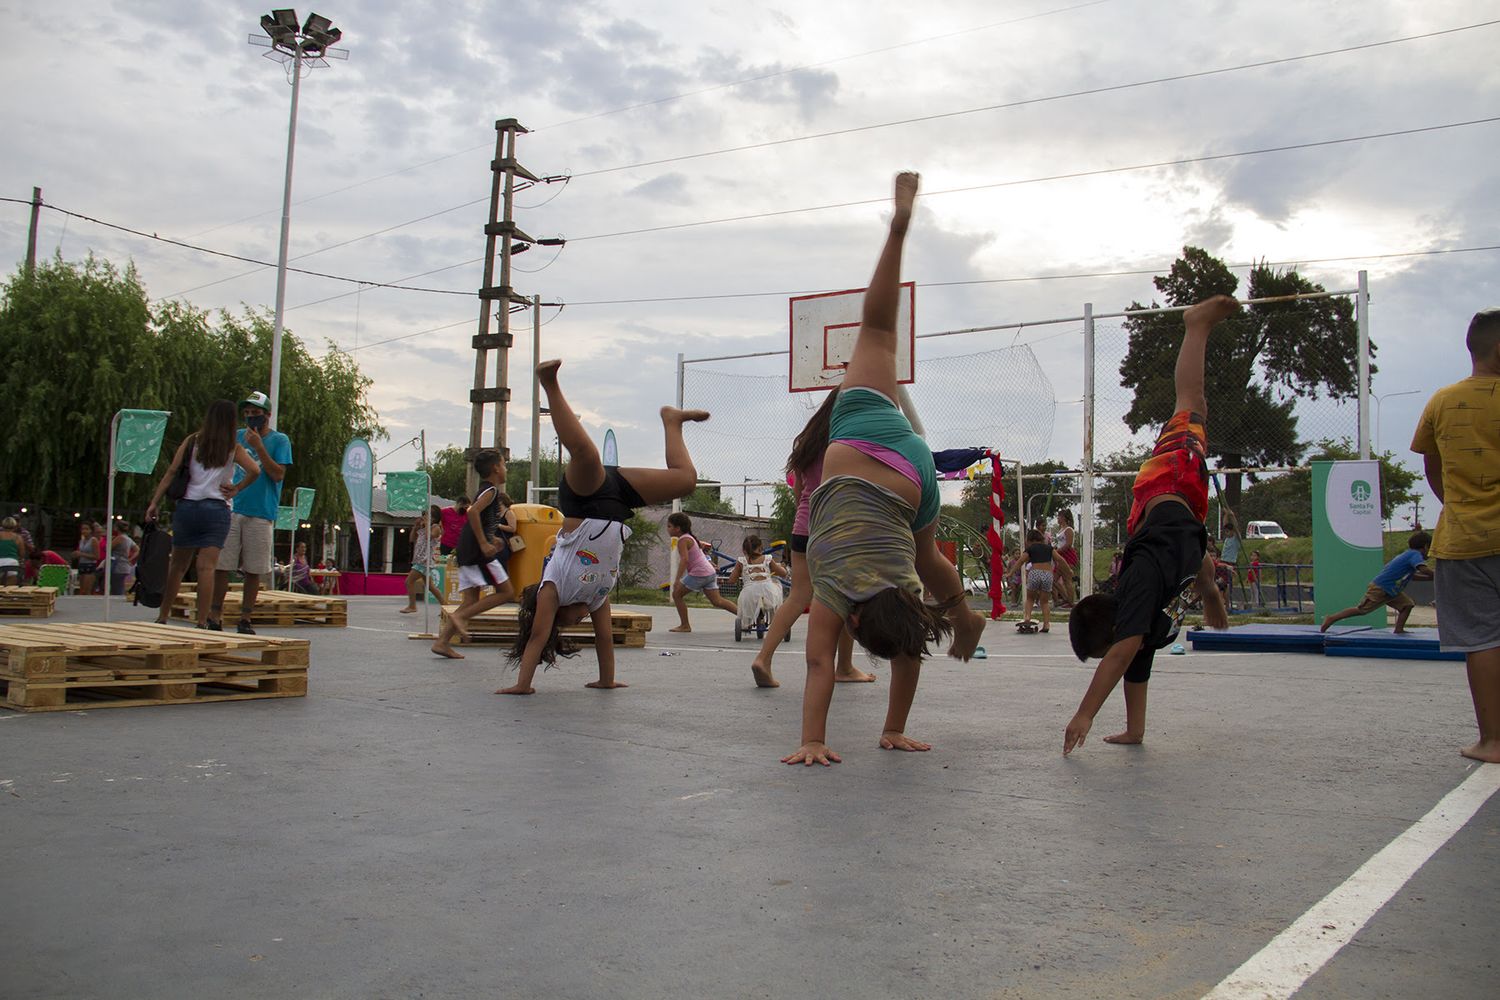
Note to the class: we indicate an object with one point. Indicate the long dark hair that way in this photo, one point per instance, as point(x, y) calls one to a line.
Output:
point(557, 643)
point(213, 442)
point(895, 621)
point(813, 441)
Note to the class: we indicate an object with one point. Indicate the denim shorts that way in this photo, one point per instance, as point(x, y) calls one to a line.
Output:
point(200, 524)
point(700, 583)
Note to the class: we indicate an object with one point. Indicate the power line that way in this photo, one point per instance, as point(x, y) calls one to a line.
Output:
point(234, 256)
point(663, 100)
point(1112, 88)
point(1074, 175)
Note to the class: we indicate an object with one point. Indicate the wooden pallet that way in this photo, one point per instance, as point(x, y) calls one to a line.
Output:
point(274, 608)
point(501, 625)
point(28, 602)
point(58, 667)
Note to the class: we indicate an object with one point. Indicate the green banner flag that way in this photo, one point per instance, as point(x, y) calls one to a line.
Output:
point(304, 502)
point(138, 440)
point(286, 518)
point(1348, 548)
point(359, 480)
point(405, 493)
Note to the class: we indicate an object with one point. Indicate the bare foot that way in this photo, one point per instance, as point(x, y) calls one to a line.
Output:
point(900, 741)
point(672, 415)
point(966, 634)
point(853, 675)
point(1489, 752)
point(1209, 311)
point(1128, 739)
point(763, 678)
point(443, 649)
point(516, 689)
point(905, 197)
point(681, 628)
point(408, 611)
point(547, 370)
point(460, 624)
point(606, 685)
point(1327, 624)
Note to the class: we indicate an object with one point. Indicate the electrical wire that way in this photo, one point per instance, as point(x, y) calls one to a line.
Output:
point(1073, 175)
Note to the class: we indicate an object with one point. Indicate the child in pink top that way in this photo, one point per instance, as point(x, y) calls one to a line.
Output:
point(694, 571)
point(804, 469)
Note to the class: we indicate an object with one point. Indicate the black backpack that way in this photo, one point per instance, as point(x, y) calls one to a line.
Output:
point(151, 567)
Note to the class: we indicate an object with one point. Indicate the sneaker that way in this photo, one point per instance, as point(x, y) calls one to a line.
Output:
point(244, 628)
point(214, 626)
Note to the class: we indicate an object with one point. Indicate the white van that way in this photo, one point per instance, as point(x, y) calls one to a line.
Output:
point(1264, 529)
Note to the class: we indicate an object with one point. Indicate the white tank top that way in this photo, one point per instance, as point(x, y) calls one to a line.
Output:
point(204, 483)
point(756, 572)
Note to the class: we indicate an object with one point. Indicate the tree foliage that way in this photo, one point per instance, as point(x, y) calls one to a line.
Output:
point(783, 513)
point(78, 342)
point(707, 500)
point(1259, 360)
point(1287, 499)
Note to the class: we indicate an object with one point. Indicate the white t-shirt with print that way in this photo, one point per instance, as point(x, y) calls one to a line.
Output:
point(585, 562)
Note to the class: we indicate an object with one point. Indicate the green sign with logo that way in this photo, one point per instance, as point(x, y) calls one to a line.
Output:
point(1348, 547)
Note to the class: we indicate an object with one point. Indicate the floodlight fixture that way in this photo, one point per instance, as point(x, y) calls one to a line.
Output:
point(298, 48)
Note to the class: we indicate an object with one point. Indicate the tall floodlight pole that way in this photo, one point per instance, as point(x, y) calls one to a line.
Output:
point(309, 45)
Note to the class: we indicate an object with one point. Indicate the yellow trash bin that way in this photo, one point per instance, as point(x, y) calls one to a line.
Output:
point(449, 587)
point(537, 525)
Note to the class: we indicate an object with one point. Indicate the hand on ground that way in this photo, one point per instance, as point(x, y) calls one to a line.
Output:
point(1076, 733)
point(890, 740)
point(813, 753)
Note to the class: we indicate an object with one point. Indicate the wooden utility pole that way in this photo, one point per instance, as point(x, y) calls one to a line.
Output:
point(500, 229)
point(36, 211)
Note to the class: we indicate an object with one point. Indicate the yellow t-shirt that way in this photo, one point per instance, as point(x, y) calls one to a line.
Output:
point(1461, 424)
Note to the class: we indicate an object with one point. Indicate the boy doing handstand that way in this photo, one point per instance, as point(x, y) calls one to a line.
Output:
point(1167, 549)
point(872, 538)
point(596, 500)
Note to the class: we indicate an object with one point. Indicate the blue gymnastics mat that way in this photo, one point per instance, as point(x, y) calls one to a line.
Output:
point(1260, 639)
point(1421, 644)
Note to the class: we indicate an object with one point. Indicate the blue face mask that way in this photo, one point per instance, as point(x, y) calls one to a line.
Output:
point(256, 424)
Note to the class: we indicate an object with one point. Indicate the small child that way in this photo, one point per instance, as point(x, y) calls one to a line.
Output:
point(1166, 549)
point(422, 557)
point(1389, 585)
point(761, 592)
point(596, 500)
point(694, 571)
point(1039, 561)
point(478, 555)
point(1252, 580)
point(301, 572)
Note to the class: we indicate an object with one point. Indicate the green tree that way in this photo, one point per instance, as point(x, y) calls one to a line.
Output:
point(783, 512)
point(518, 472)
point(1287, 499)
point(707, 500)
point(1259, 360)
point(79, 342)
point(448, 469)
point(1112, 494)
point(635, 560)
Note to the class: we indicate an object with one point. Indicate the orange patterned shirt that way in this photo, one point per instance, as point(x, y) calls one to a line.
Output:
point(1178, 466)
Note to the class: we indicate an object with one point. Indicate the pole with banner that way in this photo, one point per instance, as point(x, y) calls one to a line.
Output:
point(1348, 547)
point(413, 491)
point(303, 503)
point(359, 480)
point(134, 446)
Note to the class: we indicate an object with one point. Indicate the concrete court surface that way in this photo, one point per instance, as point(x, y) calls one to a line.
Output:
point(402, 832)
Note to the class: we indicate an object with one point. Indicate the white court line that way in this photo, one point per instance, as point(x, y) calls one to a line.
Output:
point(1282, 967)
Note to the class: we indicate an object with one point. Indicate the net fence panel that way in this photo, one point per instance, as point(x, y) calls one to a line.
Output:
point(992, 399)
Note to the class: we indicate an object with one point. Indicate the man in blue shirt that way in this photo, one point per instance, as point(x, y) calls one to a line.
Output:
point(1387, 587)
point(251, 524)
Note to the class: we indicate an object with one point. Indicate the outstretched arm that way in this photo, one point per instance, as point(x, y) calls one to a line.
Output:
point(1215, 614)
point(1106, 676)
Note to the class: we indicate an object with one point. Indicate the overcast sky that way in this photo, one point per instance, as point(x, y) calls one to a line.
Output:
point(161, 117)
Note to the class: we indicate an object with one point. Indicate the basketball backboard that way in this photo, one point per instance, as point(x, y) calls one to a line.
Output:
point(823, 331)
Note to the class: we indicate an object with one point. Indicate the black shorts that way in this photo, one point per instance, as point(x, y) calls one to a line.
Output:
point(799, 543)
point(446, 550)
point(614, 500)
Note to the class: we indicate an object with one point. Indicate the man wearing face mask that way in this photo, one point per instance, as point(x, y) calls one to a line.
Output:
point(248, 547)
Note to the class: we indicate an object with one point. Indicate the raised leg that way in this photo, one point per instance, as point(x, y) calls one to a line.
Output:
point(1199, 320)
point(585, 469)
point(680, 477)
point(873, 363)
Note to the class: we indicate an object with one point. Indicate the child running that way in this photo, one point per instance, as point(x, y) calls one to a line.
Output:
point(1389, 585)
point(760, 590)
point(694, 571)
point(872, 542)
point(1166, 550)
point(596, 500)
point(805, 467)
point(478, 555)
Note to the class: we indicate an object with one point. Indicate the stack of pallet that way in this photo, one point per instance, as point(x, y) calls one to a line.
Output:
point(273, 608)
point(57, 667)
point(501, 625)
point(28, 602)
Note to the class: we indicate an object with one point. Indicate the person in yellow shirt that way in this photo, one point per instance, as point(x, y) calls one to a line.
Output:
point(1458, 437)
